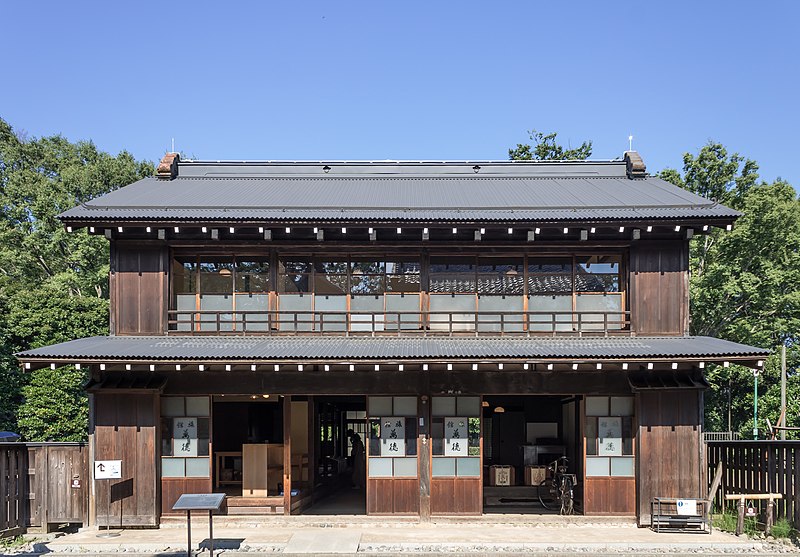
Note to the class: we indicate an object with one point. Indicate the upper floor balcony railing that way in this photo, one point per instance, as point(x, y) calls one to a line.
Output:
point(400, 323)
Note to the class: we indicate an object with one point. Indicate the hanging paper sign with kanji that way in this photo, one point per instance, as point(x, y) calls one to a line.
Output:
point(456, 437)
point(184, 436)
point(393, 436)
point(609, 433)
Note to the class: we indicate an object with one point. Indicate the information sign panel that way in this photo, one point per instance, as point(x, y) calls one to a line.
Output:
point(107, 469)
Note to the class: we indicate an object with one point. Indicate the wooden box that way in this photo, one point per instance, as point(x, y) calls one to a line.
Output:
point(534, 475)
point(500, 475)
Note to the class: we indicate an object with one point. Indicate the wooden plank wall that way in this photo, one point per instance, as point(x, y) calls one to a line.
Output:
point(659, 287)
point(609, 496)
point(13, 488)
point(759, 467)
point(393, 496)
point(125, 429)
point(456, 496)
point(140, 289)
point(670, 459)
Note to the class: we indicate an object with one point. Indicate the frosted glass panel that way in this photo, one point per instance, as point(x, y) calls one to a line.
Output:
point(597, 406)
point(197, 406)
point(301, 304)
point(468, 467)
point(371, 304)
point(405, 406)
point(408, 302)
point(197, 467)
point(185, 302)
point(248, 303)
point(622, 406)
point(328, 323)
point(491, 321)
point(380, 406)
point(173, 468)
point(599, 302)
point(597, 466)
point(405, 467)
point(622, 466)
point(443, 467)
point(468, 406)
point(216, 302)
point(544, 322)
point(443, 406)
point(380, 467)
point(460, 308)
point(172, 406)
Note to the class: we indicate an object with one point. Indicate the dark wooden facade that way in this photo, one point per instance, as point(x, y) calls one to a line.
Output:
point(541, 286)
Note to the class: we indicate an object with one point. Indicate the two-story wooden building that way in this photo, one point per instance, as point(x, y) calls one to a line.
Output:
point(456, 315)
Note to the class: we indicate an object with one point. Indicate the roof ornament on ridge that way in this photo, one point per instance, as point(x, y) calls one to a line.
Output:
point(168, 167)
point(635, 165)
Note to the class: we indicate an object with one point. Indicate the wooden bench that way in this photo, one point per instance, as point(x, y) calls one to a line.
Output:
point(665, 515)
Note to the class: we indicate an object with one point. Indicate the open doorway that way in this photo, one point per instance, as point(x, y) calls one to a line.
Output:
point(248, 453)
point(522, 435)
point(340, 479)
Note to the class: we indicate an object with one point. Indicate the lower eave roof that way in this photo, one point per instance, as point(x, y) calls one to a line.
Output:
point(226, 348)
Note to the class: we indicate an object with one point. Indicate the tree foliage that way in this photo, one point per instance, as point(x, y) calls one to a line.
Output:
point(745, 284)
point(546, 148)
point(53, 284)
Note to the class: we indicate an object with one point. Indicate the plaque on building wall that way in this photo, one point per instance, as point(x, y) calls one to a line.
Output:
point(456, 436)
point(393, 436)
point(609, 433)
point(184, 436)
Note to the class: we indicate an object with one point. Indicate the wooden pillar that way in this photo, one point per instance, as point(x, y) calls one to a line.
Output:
point(287, 455)
point(312, 448)
point(424, 479)
point(424, 452)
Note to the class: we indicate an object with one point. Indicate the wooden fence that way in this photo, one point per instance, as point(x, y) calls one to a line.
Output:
point(42, 484)
point(759, 467)
point(13, 488)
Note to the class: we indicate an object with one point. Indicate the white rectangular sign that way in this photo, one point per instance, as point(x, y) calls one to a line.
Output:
point(184, 436)
point(687, 507)
point(456, 437)
point(393, 436)
point(107, 469)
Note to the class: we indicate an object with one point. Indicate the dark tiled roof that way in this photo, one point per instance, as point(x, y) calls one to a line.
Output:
point(557, 192)
point(178, 348)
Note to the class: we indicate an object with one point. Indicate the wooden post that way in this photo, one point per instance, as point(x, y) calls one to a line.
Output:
point(740, 518)
point(770, 511)
point(312, 448)
point(287, 455)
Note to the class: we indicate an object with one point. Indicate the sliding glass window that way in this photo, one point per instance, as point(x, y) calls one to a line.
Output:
point(220, 293)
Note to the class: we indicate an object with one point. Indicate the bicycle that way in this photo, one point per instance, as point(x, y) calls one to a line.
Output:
point(556, 491)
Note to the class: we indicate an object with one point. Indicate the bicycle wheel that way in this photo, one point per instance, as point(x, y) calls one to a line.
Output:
point(547, 494)
point(566, 500)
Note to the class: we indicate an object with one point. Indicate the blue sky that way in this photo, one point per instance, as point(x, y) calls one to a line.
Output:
point(407, 80)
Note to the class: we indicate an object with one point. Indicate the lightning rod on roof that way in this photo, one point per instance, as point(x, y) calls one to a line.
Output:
point(173, 145)
point(630, 143)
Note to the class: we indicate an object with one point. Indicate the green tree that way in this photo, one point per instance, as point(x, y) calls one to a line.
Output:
point(546, 148)
point(53, 284)
point(744, 284)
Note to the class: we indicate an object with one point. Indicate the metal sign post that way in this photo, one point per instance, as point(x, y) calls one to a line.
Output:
point(108, 470)
point(199, 502)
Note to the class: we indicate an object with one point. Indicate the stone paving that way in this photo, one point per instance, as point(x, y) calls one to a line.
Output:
point(366, 536)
